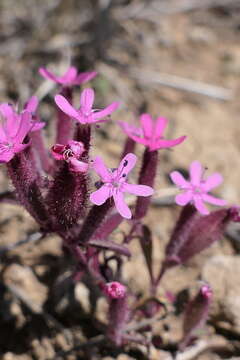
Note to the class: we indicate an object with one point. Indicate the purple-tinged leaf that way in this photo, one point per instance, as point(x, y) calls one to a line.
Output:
point(108, 226)
point(196, 314)
point(146, 177)
point(146, 245)
point(110, 245)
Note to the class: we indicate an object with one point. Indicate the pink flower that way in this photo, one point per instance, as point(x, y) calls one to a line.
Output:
point(115, 184)
point(150, 134)
point(196, 190)
point(70, 78)
point(86, 114)
point(8, 111)
point(12, 134)
point(71, 153)
point(115, 290)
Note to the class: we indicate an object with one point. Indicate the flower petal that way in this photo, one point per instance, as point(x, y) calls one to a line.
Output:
point(48, 75)
point(6, 156)
point(139, 140)
point(101, 195)
point(20, 147)
point(24, 127)
point(69, 76)
point(65, 106)
point(212, 181)
point(121, 206)
point(130, 129)
point(139, 190)
point(147, 125)
point(87, 99)
point(102, 170)
point(31, 105)
point(127, 164)
point(179, 180)
point(213, 200)
point(161, 144)
point(84, 77)
point(105, 112)
point(196, 172)
point(200, 206)
point(77, 165)
point(184, 198)
point(38, 125)
point(161, 123)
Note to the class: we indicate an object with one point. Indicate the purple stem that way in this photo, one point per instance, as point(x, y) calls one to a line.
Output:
point(40, 150)
point(83, 134)
point(26, 179)
point(118, 318)
point(67, 197)
point(64, 122)
point(146, 177)
point(129, 147)
point(94, 219)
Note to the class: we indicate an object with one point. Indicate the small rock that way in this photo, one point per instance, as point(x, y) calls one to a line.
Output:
point(25, 282)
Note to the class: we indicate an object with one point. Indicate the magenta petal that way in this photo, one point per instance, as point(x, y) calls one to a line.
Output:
point(139, 190)
point(130, 129)
point(102, 170)
point(184, 198)
point(200, 206)
point(212, 181)
point(147, 125)
point(24, 127)
point(213, 200)
point(84, 77)
point(179, 180)
point(101, 195)
point(161, 144)
point(78, 166)
point(139, 140)
point(20, 147)
point(87, 99)
point(65, 106)
point(6, 156)
point(37, 126)
point(6, 110)
point(161, 123)
point(105, 112)
point(48, 75)
point(196, 172)
point(127, 164)
point(121, 206)
point(32, 104)
point(69, 76)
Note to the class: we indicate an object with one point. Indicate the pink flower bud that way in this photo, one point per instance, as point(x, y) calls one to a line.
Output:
point(115, 290)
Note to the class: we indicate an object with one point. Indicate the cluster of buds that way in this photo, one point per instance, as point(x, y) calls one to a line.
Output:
point(55, 188)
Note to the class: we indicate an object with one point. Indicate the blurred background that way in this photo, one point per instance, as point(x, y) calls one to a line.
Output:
point(179, 59)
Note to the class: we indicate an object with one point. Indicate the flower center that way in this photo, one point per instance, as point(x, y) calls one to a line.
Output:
point(5, 147)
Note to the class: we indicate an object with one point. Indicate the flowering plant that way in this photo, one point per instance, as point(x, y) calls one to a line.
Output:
point(56, 188)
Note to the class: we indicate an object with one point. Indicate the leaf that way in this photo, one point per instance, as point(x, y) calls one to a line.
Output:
point(110, 245)
point(146, 245)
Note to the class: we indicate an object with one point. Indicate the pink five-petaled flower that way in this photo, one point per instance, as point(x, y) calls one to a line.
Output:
point(115, 290)
point(86, 114)
point(196, 189)
point(71, 154)
point(114, 184)
point(8, 111)
point(12, 134)
point(70, 78)
point(150, 134)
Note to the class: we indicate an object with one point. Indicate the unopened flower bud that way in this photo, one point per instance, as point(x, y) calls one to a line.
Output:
point(115, 290)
